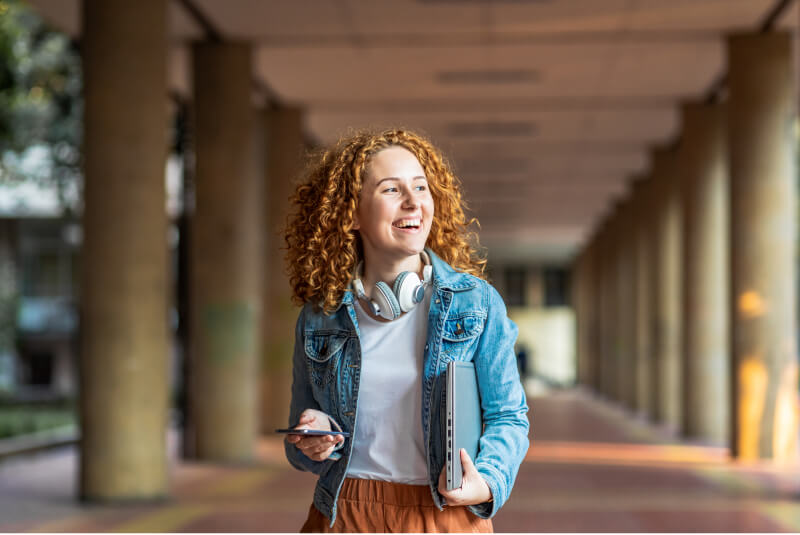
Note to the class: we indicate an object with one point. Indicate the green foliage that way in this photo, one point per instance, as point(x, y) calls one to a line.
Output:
point(40, 101)
point(25, 419)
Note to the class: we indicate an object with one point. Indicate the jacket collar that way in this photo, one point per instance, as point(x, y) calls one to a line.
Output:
point(347, 298)
point(444, 276)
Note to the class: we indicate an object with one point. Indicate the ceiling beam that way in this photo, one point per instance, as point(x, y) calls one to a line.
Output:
point(527, 104)
point(214, 35)
point(496, 38)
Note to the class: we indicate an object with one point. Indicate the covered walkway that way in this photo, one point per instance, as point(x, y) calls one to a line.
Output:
point(591, 467)
point(648, 147)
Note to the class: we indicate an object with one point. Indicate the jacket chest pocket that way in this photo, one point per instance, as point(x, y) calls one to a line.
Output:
point(323, 353)
point(459, 336)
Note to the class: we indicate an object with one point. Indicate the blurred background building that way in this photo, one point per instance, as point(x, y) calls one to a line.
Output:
point(632, 163)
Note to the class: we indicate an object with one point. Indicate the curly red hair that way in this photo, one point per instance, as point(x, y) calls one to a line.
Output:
point(322, 246)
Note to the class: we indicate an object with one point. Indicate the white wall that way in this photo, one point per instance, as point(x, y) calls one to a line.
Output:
point(549, 335)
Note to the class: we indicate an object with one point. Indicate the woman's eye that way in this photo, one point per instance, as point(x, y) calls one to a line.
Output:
point(421, 188)
point(390, 190)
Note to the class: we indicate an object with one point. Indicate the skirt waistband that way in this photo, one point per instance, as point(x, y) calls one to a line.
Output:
point(386, 492)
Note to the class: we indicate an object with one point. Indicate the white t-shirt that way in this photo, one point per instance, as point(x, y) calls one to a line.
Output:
point(388, 443)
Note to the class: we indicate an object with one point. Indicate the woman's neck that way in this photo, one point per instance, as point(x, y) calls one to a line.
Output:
point(376, 270)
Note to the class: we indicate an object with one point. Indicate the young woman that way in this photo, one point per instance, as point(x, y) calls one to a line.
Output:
point(380, 256)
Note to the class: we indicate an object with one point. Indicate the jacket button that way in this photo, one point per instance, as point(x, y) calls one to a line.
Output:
point(437, 301)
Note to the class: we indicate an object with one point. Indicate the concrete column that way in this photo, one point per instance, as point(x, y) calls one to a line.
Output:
point(592, 345)
point(635, 312)
point(579, 290)
point(603, 311)
point(704, 169)
point(226, 256)
point(626, 311)
point(653, 274)
point(582, 300)
point(588, 299)
point(124, 335)
point(610, 314)
point(595, 332)
point(632, 301)
point(668, 306)
point(575, 298)
point(642, 238)
point(284, 148)
point(586, 293)
point(9, 304)
point(762, 156)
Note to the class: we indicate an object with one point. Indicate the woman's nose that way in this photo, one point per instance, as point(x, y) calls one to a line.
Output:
point(409, 199)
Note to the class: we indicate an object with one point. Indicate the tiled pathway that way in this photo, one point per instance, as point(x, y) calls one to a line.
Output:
point(591, 468)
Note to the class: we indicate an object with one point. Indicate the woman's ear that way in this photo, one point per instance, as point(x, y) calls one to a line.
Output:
point(356, 224)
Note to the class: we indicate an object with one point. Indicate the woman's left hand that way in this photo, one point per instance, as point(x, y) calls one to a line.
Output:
point(473, 489)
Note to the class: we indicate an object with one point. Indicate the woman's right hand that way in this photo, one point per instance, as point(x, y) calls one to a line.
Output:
point(315, 448)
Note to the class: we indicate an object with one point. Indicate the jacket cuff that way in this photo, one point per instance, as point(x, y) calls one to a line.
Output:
point(493, 479)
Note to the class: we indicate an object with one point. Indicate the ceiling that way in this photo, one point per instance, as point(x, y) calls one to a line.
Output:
point(546, 108)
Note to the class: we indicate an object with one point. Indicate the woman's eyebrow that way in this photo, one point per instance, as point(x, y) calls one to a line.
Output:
point(395, 178)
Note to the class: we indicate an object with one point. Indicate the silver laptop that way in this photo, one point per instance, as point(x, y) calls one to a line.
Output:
point(464, 420)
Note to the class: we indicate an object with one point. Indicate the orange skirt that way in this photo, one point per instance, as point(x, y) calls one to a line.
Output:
point(367, 505)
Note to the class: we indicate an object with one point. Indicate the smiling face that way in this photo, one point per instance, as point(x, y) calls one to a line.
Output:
point(395, 209)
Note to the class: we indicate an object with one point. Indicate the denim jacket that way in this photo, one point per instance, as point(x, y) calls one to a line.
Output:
point(467, 322)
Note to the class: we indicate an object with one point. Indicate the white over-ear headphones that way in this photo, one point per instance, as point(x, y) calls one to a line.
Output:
point(404, 294)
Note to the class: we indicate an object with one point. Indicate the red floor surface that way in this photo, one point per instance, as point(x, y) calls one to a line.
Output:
point(591, 468)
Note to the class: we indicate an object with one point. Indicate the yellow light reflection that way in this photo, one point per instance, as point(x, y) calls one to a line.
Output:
point(751, 304)
point(752, 393)
point(787, 413)
point(628, 454)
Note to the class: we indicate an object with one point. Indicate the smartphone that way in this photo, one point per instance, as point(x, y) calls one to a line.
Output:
point(311, 432)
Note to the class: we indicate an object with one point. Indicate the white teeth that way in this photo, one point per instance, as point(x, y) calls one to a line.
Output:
point(407, 223)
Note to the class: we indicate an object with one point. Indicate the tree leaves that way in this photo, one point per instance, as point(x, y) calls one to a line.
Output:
point(41, 103)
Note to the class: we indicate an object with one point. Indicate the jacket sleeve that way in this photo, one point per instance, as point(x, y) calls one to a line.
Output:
point(504, 442)
point(302, 399)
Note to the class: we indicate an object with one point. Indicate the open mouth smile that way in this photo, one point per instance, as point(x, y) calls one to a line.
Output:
point(408, 224)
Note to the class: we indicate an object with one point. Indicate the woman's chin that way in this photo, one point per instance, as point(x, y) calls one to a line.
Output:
point(415, 248)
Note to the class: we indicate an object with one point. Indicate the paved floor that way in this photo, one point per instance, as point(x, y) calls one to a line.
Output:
point(591, 467)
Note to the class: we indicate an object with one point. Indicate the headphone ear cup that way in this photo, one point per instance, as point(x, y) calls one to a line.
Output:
point(390, 308)
point(405, 288)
